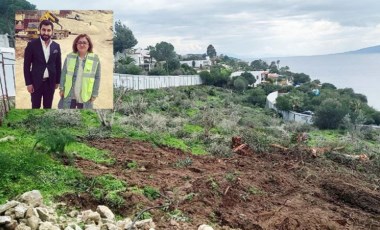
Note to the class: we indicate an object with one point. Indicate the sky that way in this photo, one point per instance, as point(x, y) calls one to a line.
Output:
point(244, 29)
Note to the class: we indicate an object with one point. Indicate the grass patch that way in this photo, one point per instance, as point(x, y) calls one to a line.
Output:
point(90, 153)
point(198, 150)
point(21, 172)
point(108, 188)
point(193, 128)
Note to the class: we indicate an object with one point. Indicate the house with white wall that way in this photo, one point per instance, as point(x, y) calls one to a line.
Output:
point(260, 76)
point(140, 56)
point(198, 64)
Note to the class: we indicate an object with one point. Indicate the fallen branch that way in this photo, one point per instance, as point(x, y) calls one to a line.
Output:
point(150, 208)
point(278, 146)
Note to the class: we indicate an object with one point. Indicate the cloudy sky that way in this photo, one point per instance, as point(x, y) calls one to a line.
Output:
point(244, 28)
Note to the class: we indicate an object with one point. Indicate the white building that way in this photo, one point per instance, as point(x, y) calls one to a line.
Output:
point(7, 66)
point(4, 40)
point(198, 63)
point(140, 56)
point(259, 76)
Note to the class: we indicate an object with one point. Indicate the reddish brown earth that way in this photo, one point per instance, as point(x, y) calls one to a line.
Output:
point(251, 191)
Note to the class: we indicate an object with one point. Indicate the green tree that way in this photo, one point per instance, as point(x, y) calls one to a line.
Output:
point(157, 71)
point(330, 114)
point(328, 86)
point(173, 64)
point(300, 78)
point(240, 84)
point(123, 38)
point(257, 97)
point(206, 77)
point(249, 77)
point(163, 51)
point(259, 65)
point(211, 52)
point(273, 67)
point(8, 9)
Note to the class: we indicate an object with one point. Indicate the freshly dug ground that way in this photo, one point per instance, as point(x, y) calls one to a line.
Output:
point(277, 190)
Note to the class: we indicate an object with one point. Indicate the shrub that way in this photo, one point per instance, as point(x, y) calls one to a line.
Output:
point(330, 114)
point(151, 193)
point(240, 84)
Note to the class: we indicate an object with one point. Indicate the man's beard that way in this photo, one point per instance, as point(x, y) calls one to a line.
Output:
point(45, 37)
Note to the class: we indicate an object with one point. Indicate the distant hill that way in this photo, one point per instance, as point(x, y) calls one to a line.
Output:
point(368, 50)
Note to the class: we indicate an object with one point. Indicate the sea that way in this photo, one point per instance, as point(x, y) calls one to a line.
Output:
point(361, 72)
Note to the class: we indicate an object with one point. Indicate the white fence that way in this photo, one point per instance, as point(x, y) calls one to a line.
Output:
point(140, 82)
point(288, 115)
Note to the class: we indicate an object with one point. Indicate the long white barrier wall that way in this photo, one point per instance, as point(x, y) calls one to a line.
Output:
point(287, 115)
point(140, 82)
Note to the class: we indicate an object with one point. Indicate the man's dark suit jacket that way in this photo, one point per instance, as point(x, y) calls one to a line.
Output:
point(35, 64)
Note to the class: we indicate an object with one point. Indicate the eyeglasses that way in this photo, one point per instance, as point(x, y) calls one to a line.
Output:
point(82, 43)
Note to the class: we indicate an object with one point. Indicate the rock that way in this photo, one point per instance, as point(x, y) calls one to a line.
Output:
point(205, 227)
point(20, 210)
point(32, 198)
point(30, 212)
point(7, 206)
point(22, 227)
point(173, 223)
point(89, 215)
point(33, 222)
point(69, 228)
point(139, 224)
point(109, 226)
point(48, 226)
point(91, 227)
point(10, 212)
point(5, 220)
point(105, 212)
point(43, 213)
point(12, 225)
point(77, 227)
point(73, 213)
point(7, 138)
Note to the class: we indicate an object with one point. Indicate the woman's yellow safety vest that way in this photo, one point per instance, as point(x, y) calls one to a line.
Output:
point(89, 71)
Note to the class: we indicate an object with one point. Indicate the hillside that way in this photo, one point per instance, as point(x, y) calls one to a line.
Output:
point(367, 50)
point(178, 149)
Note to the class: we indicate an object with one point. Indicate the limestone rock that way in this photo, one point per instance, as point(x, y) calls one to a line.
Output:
point(22, 227)
point(89, 215)
point(105, 212)
point(33, 222)
point(205, 227)
point(5, 220)
point(48, 226)
point(12, 225)
point(20, 210)
point(8, 205)
point(32, 198)
point(91, 227)
point(43, 213)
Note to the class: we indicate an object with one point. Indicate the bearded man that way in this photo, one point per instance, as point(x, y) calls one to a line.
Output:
point(42, 67)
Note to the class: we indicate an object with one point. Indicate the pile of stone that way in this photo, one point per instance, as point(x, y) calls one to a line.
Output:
point(28, 212)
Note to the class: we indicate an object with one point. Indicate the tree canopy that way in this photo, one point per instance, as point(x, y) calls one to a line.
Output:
point(8, 9)
point(211, 52)
point(123, 38)
point(259, 65)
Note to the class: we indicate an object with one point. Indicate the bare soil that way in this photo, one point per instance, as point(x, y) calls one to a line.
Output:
point(279, 190)
point(97, 24)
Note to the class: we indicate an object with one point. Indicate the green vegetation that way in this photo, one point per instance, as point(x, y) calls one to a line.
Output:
point(107, 188)
point(151, 193)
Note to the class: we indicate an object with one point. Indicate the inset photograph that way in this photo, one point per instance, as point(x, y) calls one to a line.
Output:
point(64, 59)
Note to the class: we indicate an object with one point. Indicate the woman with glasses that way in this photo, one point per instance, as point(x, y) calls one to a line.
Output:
point(80, 76)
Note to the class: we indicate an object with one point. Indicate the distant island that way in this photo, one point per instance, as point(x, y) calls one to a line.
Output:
point(367, 50)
